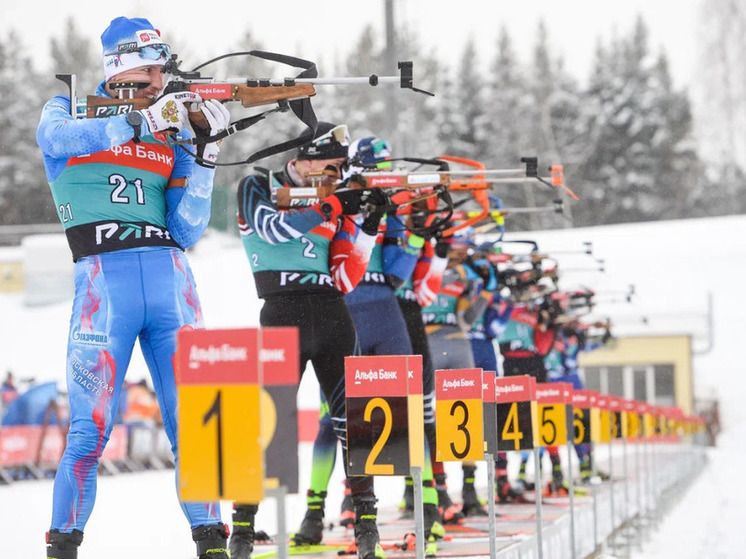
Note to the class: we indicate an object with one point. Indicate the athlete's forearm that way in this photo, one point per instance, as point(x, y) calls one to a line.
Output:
point(59, 135)
point(189, 208)
point(348, 259)
point(428, 279)
point(274, 226)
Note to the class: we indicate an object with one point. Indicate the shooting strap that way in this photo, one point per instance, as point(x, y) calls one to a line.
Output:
point(302, 108)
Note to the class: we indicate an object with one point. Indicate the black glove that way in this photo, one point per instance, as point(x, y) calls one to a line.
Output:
point(442, 246)
point(351, 200)
point(606, 337)
point(378, 202)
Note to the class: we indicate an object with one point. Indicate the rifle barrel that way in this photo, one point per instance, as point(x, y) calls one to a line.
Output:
point(487, 172)
point(292, 81)
point(370, 80)
point(529, 210)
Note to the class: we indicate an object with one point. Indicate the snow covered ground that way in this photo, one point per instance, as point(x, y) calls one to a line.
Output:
point(673, 265)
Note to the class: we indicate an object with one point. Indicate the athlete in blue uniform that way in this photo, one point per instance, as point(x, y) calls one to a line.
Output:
point(571, 340)
point(130, 204)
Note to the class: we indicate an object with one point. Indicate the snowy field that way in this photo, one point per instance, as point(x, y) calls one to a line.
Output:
point(672, 264)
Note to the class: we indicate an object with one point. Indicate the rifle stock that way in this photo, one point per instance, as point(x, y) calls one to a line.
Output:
point(298, 197)
point(248, 95)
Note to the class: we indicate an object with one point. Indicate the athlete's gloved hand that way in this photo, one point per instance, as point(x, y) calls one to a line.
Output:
point(169, 113)
point(442, 245)
point(487, 272)
point(351, 200)
point(376, 202)
point(218, 118)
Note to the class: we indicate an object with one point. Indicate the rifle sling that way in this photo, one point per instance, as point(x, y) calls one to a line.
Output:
point(302, 108)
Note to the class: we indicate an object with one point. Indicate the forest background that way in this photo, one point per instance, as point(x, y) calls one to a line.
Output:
point(634, 145)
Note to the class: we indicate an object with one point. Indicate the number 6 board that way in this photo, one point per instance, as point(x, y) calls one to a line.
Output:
point(385, 406)
point(583, 403)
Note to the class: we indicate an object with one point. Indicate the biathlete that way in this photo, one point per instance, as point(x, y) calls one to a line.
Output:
point(303, 262)
point(130, 203)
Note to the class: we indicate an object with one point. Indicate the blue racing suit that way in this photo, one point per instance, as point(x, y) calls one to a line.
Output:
point(128, 214)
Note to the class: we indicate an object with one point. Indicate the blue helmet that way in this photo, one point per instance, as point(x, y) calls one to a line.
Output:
point(369, 152)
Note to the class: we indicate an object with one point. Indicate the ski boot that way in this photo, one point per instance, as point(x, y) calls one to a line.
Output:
point(557, 487)
point(471, 505)
point(604, 476)
point(61, 545)
point(407, 503)
point(431, 545)
point(311, 530)
point(347, 512)
point(522, 483)
point(433, 527)
point(241, 543)
point(212, 542)
point(367, 540)
point(449, 513)
point(586, 473)
point(506, 493)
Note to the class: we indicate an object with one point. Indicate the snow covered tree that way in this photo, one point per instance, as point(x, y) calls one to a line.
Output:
point(463, 129)
point(416, 124)
point(639, 152)
point(24, 194)
point(720, 87)
point(551, 129)
point(404, 118)
point(508, 107)
point(72, 53)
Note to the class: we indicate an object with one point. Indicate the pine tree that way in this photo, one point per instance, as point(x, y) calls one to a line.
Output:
point(24, 194)
point(720, 87)
point(72, 53)
point(416, 122)
point(508, 108)
point(551, 124)
point(464, 131)
point(638, 137)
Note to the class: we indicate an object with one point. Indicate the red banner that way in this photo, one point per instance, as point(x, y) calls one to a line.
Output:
point(218, 356)
point(515, 389)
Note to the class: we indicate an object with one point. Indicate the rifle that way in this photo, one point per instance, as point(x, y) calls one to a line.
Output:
point(288, 93)
point(413, 189)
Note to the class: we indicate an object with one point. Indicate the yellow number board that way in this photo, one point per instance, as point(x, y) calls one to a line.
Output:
point(220, 455)
point(515, 399)
point(583, 402)
point(632, 420)
point(601, 420)
point(554, 402)
point(459, 425)
point(617, 417)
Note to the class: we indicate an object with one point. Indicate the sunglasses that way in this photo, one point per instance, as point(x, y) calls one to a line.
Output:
point(159, 51)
